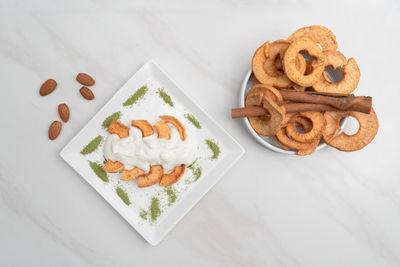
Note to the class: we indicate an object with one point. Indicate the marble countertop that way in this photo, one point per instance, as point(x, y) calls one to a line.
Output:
point(327, 209)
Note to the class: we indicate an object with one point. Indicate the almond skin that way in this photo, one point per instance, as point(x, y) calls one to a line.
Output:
point(47, 87)
point(87, 93)
point(54, 130)
point(85, 79)
point(63, 111)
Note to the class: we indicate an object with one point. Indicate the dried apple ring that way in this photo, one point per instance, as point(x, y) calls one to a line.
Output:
point(299, 121)
point(174, 176)
point(144, 126)
point(318, 34)
point(289, 62)
point(257, 64)
point(152, 177)
point(303, 149)
point(283, 138)
point(163, 130)
point(132, 174)
point(368, 128)
point(318, 125)
point(278, 48)
point(113, 166)
point(351, 77)
point(178, 125)
point(118, 128)
point(265, 125)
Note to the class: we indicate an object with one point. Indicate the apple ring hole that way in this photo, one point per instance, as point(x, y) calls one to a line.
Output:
point(352, 125)
point(334, 75)
point(300, 129)
point(307, 56)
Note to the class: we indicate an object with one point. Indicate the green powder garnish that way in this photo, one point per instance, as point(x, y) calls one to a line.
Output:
point(143, 214)
point(193, 120)
point(196, 172)
point(98, 170)
point(155, 210)
point(113, 117)
point(139, 94)
point(191, 165)
point(123, 195)
point(167, 99)
point(92, 146)
point(214, 147)
point(171, 195)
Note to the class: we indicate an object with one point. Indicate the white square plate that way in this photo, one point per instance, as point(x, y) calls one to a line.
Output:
point(175, 202)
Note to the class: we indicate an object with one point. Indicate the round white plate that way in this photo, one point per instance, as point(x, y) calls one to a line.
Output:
point(267, 141)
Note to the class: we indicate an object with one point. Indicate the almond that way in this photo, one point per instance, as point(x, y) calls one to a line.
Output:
point(85, 79)
point(63, 111)
point(54, 130)
point(87, 93)
point(47, 87)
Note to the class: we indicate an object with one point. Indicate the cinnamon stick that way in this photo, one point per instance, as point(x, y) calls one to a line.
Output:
point(289, 108)
point(312, 101)
point(318, 93)
point(248, 112)
point(339, 101)
point(303, 107)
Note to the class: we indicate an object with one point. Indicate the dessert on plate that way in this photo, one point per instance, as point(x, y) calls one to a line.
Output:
point(150, 154)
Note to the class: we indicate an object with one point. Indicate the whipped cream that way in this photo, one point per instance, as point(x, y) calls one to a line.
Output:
point(142, 152)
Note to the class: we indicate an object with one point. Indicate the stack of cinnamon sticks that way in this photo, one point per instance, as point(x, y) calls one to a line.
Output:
point(311, 101)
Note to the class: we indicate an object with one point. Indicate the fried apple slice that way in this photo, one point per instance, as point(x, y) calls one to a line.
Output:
point(144, 126)
point(118, 128)
point(318, 124)
point(174, 121)
point(174, 176)
point(349, 82)
point(132, 174)
point(152, 177)
point(368, 128)
point(263, 125)
point(290, 67)
point(163, 130)
point(318, 34)
point(113, 166)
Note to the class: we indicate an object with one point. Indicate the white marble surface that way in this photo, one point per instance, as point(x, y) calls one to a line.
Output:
point(328, 209)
